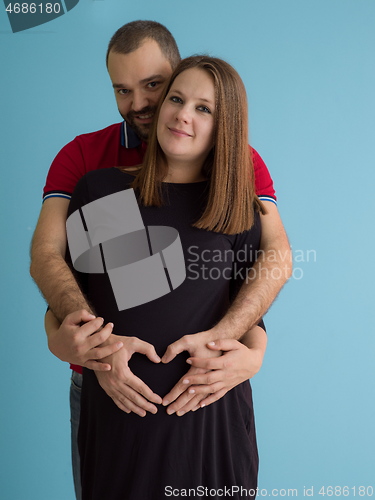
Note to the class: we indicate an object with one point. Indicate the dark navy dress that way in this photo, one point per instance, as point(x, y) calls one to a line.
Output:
point(127, 457)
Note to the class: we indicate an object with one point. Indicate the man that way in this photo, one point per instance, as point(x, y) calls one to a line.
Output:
point(140, 59)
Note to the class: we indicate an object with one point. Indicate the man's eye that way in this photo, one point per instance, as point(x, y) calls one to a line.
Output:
point(123, 91)
point(152, 85)
point(176, 99)
point(205, 109)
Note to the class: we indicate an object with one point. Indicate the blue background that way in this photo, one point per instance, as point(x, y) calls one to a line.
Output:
point(309, 70)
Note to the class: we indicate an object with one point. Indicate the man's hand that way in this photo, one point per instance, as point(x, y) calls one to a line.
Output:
point(81, 345)
point(214, 377)
point(129, 392)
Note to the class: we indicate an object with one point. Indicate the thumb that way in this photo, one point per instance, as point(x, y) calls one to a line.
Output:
point(223, 345)
point(174, 349)
point(77, 317)
point(148, 350)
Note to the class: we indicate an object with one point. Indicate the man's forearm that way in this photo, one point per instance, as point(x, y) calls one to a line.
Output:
point(57, 284)
point(48, 267)
point(259, 290)
point(264, 280)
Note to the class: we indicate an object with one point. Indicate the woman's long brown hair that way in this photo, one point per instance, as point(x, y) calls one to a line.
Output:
point(228, 167)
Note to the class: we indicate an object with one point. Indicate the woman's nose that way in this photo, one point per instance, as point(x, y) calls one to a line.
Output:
point(183, 114)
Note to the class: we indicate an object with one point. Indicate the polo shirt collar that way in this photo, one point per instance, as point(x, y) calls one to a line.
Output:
point(129, 138)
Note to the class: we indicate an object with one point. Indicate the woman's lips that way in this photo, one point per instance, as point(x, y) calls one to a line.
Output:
point(178, 132)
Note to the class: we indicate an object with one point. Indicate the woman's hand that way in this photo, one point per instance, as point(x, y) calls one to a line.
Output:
point(128, 391)
point(197, 346)
point(214, 377)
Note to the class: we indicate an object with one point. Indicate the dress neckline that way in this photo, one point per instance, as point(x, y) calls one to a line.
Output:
point(168, 183)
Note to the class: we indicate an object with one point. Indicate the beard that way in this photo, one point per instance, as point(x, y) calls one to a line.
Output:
point(141, 129)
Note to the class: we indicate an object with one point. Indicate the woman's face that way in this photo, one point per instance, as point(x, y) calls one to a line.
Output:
point(185, 127)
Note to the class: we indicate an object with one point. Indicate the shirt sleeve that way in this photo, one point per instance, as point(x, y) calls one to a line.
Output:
point(66, 169)
point(263, 180)
point(262, 325)
point(80, 196)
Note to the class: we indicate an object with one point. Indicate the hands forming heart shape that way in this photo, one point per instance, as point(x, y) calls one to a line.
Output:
point(130, 393)
point(216, 365)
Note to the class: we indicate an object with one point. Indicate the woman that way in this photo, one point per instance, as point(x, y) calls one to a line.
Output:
point(195, 179)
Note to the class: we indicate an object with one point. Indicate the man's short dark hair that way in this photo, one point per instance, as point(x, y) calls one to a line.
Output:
point(131, 36)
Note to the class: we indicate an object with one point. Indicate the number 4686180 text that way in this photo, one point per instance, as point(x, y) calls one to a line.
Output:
point(33, 8)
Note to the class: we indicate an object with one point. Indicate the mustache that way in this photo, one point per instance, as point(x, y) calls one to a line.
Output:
point(144, 111)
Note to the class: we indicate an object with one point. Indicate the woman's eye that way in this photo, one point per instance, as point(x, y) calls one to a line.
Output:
point(205, 109)
point(176, 99)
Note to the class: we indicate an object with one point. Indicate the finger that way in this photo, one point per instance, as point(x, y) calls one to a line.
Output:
point(191, 405)
point(181, 386)
point(126, 397)
point(103, 352)
point(207, 363)
point(207, 378)
point(182, 401)
point(146, 349)
point(174, 349)
point(126, 385)
point(176, 392)
point(135, 402)
point(204, 390)
point(89, 328)
point(122, 407)
point(139, 387)
point(224, 345)
point(96, 339)
point(140, 409)
point(127, 406)
point(131, 407)
point(213, 398)
point(97, 366)
point(76, 317)
point(188, 400)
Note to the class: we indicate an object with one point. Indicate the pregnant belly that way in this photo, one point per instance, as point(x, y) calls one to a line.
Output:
point(160, 377)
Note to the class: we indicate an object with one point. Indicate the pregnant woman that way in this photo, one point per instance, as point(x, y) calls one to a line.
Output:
point(197, 178)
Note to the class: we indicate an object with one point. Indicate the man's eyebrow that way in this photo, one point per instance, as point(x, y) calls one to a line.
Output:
point(152, 78)
point(145, 80)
